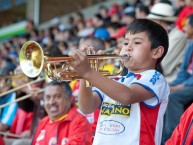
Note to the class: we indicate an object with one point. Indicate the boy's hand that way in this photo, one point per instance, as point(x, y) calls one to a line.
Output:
point(80, 62)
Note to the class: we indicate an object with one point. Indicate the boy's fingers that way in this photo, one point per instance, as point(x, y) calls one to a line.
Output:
point(74, 54)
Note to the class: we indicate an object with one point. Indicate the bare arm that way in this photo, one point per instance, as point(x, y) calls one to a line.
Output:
point(117, 91)
point(87, 100)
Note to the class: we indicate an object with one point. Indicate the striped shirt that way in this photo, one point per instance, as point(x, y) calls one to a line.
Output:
point(8, 113)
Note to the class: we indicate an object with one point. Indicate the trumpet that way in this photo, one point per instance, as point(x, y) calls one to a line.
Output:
point(33, 61)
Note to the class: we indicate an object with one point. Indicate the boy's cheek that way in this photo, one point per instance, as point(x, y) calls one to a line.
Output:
point(122, 52)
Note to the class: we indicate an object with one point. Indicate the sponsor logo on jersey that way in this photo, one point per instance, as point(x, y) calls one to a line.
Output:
point(110, 127)
point(155, 77)
point(115, 109)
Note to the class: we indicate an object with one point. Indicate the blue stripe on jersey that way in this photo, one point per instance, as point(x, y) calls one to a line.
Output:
point(148, 88)
point(100, 96)
point(129, 74)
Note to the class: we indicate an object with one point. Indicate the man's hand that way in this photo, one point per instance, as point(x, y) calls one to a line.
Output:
point(3, 127)
point(26, 134)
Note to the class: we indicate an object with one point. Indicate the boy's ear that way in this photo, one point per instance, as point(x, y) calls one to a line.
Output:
point(157, 52)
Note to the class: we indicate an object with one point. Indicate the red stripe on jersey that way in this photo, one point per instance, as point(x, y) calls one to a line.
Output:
point(148, 124)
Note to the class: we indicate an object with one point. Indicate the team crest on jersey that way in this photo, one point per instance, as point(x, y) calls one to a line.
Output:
point(90, 117)
point(53, 141)
point(155, 77)
point(64, 141)
point(41, 135)
point(109, 109)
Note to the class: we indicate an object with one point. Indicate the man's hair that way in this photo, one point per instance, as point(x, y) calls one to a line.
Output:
point(156, 33)
point(190, 20)
point(65, 85)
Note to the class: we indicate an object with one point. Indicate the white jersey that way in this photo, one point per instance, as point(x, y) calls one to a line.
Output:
point(135, 124)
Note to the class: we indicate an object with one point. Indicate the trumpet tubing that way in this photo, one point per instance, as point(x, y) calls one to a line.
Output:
point(21, 86)
point(33, 60)
point(14, 76)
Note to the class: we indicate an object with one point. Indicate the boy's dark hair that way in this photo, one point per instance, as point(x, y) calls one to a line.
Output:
point(190, 20)
point(156, 33)
point(65, 85)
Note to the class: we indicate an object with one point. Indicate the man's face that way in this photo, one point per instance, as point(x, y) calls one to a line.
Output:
point(56, 102)
point(188, 30)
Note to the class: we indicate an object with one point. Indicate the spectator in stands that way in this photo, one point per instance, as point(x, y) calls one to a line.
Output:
point(102, 33)
point(182, 87)
point(178, 5)
point(63, 47)
point(103, 11)
point(98, 21)
point(63, 125)
point(115, 18)
point(79, 17)
point(177, 39)
point(113, 28)
point(141, 11)
point(134, 2)
point(84, 31)
point(128, 15)
point(29, 111)
point(183, 133)
point(7, 114)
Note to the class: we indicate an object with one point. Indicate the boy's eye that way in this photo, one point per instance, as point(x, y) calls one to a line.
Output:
point(137, 42)
point(125, 43)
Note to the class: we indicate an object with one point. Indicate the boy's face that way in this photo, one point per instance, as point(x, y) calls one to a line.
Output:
point(138, 47)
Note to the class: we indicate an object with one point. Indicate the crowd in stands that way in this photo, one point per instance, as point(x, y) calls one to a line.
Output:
point(104, 31)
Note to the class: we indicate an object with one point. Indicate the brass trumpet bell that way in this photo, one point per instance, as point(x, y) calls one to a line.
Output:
point(33, 60)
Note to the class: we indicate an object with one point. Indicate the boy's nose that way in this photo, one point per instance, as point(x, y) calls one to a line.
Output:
point(129, 47)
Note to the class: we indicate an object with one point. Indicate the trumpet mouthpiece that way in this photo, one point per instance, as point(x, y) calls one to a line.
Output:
point(125, 56)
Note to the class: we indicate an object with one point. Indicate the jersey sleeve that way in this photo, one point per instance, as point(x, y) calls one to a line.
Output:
point(153, 81)
point(99, 93)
